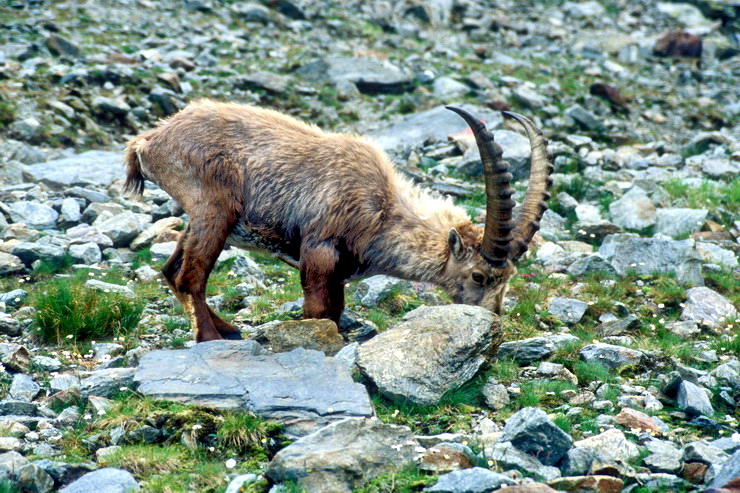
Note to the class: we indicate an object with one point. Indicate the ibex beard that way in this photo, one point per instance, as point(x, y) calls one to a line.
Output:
point(331, 205)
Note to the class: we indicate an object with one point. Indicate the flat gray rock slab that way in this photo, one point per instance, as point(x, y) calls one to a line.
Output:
point(303, 389)
point(91, 167)
point(473, 480)
point(107, 480)
point(434, 349)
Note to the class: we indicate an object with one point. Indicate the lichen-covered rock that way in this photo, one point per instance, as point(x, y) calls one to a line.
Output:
point(611, 356)
point(285, 335)
point(707, 307)
point(434, 349)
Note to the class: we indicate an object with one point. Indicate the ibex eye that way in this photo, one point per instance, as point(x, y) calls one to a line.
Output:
point(479, 278)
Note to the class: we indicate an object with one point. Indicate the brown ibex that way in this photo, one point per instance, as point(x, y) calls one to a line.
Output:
point(331, 205)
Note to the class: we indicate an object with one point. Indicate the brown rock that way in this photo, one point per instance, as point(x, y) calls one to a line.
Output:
point(445, 458)
point(171, 79)
point(527, 488)
point(678, 44)
point(285, 335)
point(584, 484)
point(610, 93)
point(634, 419)
point(694, 472)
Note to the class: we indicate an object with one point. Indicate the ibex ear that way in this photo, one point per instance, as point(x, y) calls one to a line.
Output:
point(455, 242)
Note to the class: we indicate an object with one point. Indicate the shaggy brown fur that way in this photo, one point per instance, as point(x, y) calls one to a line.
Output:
point(330, 204)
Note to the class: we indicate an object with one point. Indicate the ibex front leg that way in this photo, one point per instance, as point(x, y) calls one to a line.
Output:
point(323, 291)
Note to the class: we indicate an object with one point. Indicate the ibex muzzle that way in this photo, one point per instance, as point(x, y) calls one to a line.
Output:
point(331, 205)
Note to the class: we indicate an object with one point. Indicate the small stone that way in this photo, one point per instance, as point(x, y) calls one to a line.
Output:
point(535, 348)
point(446, 457)
point(634, 210)
point(530, 431)
point(104, 480)
point(633, 419)
point(693, 399)
point(708, 308)
point(23, 388)
point(618, 327)
point(582, 484)
point(86, 253)
point(612, 357)
point(373, 290)
point(107, 287)
point(473, 480)
point(584, 118)
point(496, 395)
point(568, 310)
point(60, 46)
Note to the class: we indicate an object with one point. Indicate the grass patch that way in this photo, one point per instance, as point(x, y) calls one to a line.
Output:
point(723, 198)
point(407, 480)
point(537, 393)
point(147, 460)
point(245, 433)
point(588, 371)
point(68, 311)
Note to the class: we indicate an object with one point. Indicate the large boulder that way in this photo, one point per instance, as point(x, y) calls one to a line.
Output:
point(646, 256)
point(344, 455)
point(302, 389)
point(88, 168)
point(434, 349)
point(437, 123)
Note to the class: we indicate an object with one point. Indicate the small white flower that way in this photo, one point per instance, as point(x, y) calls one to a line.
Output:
point(231, 464)
point(70, 336)
point(197, 427)
point(736, 437)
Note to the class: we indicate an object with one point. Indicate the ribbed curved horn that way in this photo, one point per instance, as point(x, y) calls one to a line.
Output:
point(535, 200)
point(495, 247)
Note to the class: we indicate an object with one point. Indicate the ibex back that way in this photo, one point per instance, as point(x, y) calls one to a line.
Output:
point(331, 205)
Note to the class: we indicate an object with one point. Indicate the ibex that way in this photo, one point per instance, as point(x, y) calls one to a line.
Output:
point(331, 205)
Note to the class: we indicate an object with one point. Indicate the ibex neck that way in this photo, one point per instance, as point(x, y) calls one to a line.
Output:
point(413, 244)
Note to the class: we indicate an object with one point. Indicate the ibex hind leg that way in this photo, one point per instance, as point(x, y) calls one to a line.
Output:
point(323, 291)
point(170, 271)
point(201, 244)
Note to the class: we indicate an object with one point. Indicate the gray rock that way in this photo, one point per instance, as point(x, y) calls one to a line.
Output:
point(618, 327)
point(717, 255)
point(728, 374)
point(163, 251)
point(14, 298)
point(91, 167)
point(610, 447)
point(568, 310)
point(707, 308)
point(647, 256)
point(495, 394)
point(86, 253)
point(664, 457)
point(10, 264)
point(634, 210)
point(302, 389)
point(269, 81)
point(30, 252)
point(9, 325)
point(70, 211)
point(693, 399)
point(105, 383)
point(370, 75)
point(344, 455)
point(373, 290)
point(108, 287)
point(506, 456)
point(679, 222)
point(18, 408)
point(99, 209)
point(437, 123)
point(110, 107)
point(612, 357)
point(591, 9)
point(728, 445)
point(434, 349)
point(529, 97)
point(535, 348)
point(88, 194)
point(33, 214)
point(685, 329)
point(106, 480)
point(517, 152)
point(590, 264)
point(33, 478)
point(474, 480)
point(584, 118)
point(60, 46)
point(11, 464)
point(84, 233)
point(530, 431)
point(47, 363)
point(703, 452)
point(447, 87)
point(121, 228)
point(23, 388)
point(726, 472)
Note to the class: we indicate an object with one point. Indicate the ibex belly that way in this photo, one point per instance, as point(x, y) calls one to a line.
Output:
point(245, 237)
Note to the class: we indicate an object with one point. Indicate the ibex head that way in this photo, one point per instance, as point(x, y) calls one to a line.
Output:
point(482, 260)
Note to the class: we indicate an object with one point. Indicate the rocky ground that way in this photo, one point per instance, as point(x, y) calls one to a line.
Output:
point(614, 368)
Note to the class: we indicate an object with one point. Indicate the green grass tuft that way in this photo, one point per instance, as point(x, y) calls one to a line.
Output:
point(68, 311)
